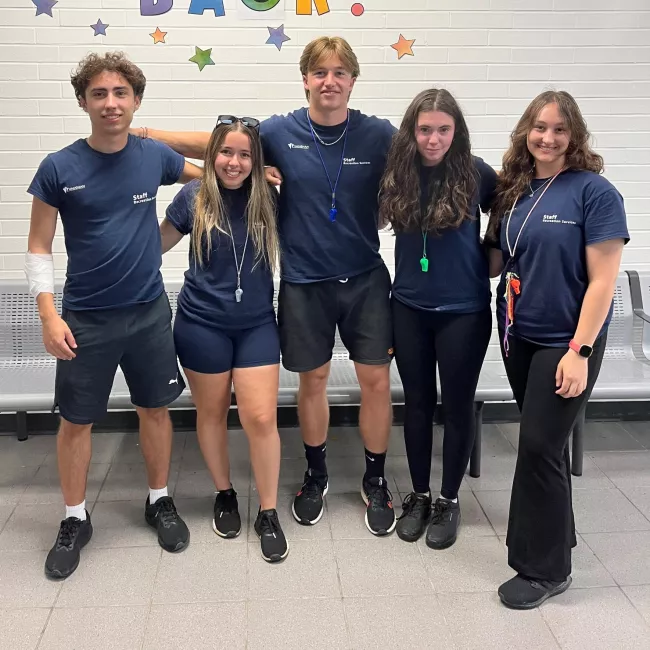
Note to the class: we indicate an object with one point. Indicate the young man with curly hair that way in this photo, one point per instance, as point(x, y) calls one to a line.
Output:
point(115, 309)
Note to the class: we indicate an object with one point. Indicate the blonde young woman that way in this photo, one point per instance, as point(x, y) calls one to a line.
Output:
point(558, 228)
point(225, 329)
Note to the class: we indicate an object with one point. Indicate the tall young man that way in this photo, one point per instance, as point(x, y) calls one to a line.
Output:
point(330, 160)
point(115, 309)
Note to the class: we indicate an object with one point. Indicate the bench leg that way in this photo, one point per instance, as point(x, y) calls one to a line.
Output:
point(21, 425)
point(578, 443)
point(475, 458)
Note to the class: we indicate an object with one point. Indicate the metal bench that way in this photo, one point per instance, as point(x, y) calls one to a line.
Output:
point(640, 290)
point(27, 371)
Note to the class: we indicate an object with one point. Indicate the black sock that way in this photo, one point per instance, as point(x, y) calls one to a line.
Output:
point(316, 458)
point(374, 465)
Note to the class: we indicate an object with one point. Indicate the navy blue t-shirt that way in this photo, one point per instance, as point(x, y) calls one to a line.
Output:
point(208, 293)
point(580, 208)
point(458, 278)
point(107, 204)
point(313, 247)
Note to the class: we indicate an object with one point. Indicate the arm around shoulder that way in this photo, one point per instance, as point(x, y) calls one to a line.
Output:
point(191, 144)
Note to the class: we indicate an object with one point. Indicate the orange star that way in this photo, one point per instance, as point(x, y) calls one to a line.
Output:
point(403, 46)
point(158, 36)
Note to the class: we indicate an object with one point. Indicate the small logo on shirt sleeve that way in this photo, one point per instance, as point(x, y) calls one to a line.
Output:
point(73, 189)
point(298, 146)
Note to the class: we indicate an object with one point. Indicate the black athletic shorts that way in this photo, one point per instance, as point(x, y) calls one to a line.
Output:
point(137, 338)
point(309, 313)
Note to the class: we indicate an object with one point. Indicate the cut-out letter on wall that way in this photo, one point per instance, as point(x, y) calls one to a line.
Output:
point(261, 5)
point(155, 7)
point(197, 7)
point(303, 7)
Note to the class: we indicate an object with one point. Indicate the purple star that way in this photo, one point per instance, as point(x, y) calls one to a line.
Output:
point(44, 7)
point(277, 36)
point(99, 27)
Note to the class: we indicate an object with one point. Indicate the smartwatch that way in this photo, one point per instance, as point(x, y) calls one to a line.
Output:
point(583, 350)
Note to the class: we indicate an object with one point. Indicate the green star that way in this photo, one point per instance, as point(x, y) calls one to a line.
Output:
point(202, 58)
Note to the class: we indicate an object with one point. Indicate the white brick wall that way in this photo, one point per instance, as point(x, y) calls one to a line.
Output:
point(495, 55)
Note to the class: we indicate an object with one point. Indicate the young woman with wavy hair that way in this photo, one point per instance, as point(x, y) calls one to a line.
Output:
point(432, 194)
point(558, 228)
point(225, 329)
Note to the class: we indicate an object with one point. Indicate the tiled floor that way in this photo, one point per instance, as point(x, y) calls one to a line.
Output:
point(339, 587)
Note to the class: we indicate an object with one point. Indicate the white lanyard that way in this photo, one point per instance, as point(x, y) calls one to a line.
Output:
point(238, 266)
point(512, 249)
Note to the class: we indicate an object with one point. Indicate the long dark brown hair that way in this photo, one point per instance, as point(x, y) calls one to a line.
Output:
point(518, 167)
point(452, 190)
point(209, 212)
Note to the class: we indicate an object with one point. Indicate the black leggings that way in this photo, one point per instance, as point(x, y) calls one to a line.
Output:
point(541, 528)
point(457, 343)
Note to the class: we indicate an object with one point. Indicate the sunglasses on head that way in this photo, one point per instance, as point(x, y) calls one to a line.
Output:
point(250, 122)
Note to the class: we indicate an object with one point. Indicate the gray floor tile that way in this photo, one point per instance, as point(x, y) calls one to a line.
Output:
point(291, 444)
point(5, 513)
point(128, 482)
point(639, 431)
point(111, 576)
point(511, 431)
point(120, 628)
point(198, 514)
point(380, 567)
point(473, 523)
point(309, 571)
point(470, 565)
point(640, 597)
point(202, 573)
point(29, 453)
point(496, 505)
point(496, 472)
point(608, 436)
point(23, 582)
point(625, 470)
point(421, 623)
point(640, 497)
point(129, 450)
point(218, 626)
point(198, 483)
point(14, 481)
point(292, 529)
point(624, 555)
point(598, 619)
point(104, 447)
point(588, 570)
point(592, 477)
point(121, 523)
point(46, 486)
point(347, 515)
point(274, 624)
point(606, 511)
point(21, 628)
point(238, 453)
point(346, 472)
point(494, 442)
point(480, 621)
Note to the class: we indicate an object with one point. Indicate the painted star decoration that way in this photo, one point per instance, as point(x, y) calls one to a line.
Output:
point(158, 36)
point(277, 36)
point(403, 46)
point(44, 7)
point(99, 27)
point(202, 58)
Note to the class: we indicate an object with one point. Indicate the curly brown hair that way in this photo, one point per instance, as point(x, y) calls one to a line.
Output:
point(452, 191)
point(518, 167)
point(94, 64)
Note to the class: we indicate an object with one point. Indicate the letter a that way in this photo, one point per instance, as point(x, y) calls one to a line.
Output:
point(197, 7)
point(155, 7)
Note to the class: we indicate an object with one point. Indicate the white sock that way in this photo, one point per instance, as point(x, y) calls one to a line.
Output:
point(76, 511)
point(452, 500)
point(424, 494)
point(154, 495)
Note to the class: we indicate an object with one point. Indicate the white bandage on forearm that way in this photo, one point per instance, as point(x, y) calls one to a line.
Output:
point(39, 269)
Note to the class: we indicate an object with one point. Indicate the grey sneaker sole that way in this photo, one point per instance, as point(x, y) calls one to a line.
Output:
point(560, 589)
point(378, 533)
point(307, 522)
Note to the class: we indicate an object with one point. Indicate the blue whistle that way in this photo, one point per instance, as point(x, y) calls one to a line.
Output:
point(333, 212)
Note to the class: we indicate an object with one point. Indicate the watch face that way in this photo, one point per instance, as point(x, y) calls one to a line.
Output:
point(585, 351)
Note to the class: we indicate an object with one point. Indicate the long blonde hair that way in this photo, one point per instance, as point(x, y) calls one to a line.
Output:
point(209, 212)
point(518, 166)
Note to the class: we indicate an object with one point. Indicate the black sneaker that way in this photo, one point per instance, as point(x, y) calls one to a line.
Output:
point(521, 592)
point(445, 519)
point(226, 522)
point(416, 510)
point(173, 534)
point(268, 529)
point(307, 505)
point(63, 558)
point(380, 516)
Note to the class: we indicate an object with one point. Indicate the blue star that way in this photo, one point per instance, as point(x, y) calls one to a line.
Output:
point(44, 7)
point(99, 27)
point(277, 37)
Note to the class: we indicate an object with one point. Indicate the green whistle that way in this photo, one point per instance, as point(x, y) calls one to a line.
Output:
point(424, 263)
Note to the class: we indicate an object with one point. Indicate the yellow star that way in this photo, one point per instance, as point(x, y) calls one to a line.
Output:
point(158, 36)
point(403, 46)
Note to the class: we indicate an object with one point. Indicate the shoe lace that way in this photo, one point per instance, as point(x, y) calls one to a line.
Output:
point(167, 511)
point(311, 488)
point(440, 509)
point(227, 502)
point(67, 532)
point(269, 524)
point(379, 496)
point(415, 505)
